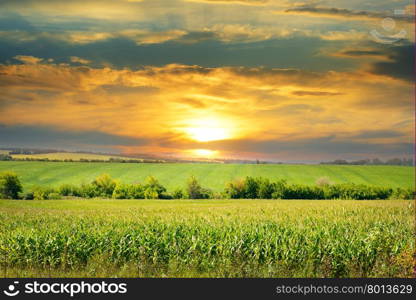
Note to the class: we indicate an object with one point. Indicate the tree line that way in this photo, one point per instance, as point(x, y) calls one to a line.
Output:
point(375, 161)
point(104, 186)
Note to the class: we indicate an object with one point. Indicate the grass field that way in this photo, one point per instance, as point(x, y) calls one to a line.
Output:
point(67, 155)
point(213, 176)
point(206, 238)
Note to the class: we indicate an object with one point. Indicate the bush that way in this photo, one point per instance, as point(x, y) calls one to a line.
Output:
point(153, 189)
point(136, 191)
point(69, 190)
point(266, 189)
point(403, 193)
point(88, 191)
point(10, 185)
point(356, 192)
point(128, 191)
point(104, 185)
point(44, 193)
point(178, 194)
point(279, 189)
point(234, 190)
point(251, 187)
point(28, 196)
point(121, 191)
point(195, 191)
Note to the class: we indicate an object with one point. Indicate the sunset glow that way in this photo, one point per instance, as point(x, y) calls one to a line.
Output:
point(207, 130)
point(276, 80)
point(204, 153)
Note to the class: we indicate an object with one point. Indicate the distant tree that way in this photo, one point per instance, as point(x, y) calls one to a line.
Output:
point(10, 185)
point(5, 157)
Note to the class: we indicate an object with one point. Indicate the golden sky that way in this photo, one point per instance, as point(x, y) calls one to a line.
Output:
point(275, 80)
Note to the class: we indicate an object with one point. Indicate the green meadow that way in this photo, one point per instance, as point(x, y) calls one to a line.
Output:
point(213, 176)
point(206, 238)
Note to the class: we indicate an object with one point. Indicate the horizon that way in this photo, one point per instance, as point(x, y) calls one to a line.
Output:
point(277, 81)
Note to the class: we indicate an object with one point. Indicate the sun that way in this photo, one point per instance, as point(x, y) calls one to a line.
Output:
point(204, 152)
point(201, 134)
point(207, 130)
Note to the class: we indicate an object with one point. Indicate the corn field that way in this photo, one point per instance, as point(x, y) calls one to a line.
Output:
point(215, 238)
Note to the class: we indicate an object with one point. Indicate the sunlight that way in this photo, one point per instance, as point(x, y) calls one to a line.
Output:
point(207, 130)
point(204, 152)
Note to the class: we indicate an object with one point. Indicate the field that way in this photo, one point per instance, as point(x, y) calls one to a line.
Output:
point(67, 155)
point(212, 176)
point(206, 238)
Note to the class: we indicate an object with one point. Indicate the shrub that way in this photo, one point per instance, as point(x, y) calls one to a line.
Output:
point(178, 194)
point(28, 196)
point(44, 193)
point(10, 185)
point(89, 191)
point(403, 193)
point(153, 189)
point(128, 191)
point(69, 190)
point(266, 189)
point(279, 189)
point(136, 191)
point(104, 185)
point(251, 187)
point(195, 191)
point(121, 191)
point(234, 190)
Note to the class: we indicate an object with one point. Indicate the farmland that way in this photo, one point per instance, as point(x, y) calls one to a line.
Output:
point(215, 238)
point(67, 156)
point(213, 176)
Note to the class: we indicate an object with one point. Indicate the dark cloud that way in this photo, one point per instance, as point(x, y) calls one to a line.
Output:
point(345, 13)
point(47, 137)
point(248, 2)
point(204, 50)
point(328, 146)
point(400, 65)
point(378, 134)
point(14, 22)
point(360, 53)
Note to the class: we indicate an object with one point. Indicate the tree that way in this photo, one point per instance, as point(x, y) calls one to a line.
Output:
point(10, 185)
point(104, 185)
point(195, 190)
point(153, 189)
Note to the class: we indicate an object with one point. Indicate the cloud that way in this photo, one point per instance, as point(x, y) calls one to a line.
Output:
point(161, 102)
point(47, 137)
point(27, 59)
point(76, 59)
point(400, 63)
point(244, 2)
point(343, 13)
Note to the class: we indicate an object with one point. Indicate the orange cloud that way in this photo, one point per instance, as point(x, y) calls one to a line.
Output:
point(177, 105)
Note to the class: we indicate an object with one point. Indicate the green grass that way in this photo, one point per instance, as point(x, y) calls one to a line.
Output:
point(213, 176)
point(67, 155)
point(206, 238)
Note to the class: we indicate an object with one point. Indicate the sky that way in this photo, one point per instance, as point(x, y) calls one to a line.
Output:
point(278, 80)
